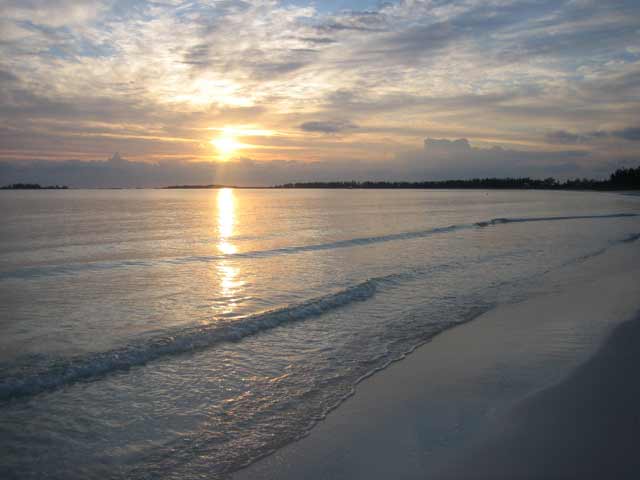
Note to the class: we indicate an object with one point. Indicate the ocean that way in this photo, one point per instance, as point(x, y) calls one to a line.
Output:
point(186, 333)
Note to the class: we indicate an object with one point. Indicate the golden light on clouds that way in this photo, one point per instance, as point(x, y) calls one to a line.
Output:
point(206, 91)
point(226, 146)
point(335, 91)
point(227, 143)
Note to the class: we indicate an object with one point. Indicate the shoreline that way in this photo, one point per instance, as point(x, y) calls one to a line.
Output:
point(620, 191)
point(457, 406)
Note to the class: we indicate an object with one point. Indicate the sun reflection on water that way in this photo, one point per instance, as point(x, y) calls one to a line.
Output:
point(229, 282)
point(226, 220)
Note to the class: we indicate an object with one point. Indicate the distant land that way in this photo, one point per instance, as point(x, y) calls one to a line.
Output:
point(33, 186)
point(622, 179)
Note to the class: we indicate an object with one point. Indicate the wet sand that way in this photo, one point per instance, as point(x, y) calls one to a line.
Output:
point(584, 427)
point(545, 388)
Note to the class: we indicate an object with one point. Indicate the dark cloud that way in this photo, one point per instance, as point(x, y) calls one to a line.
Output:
point(631, 134)
point(329, 126)
point(197, 55)
point(565, 138)
point(447, 146)
point(116, 172)
point(445, 159)
point(446, 102)
point(416, 41)
point(440, 159)
point(259, 64)
point(319, 40)
point(267, 70)
point(360, 21)
point(119, 172)
point(6, 77)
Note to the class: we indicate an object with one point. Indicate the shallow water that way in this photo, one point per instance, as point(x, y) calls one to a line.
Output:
point(182, 334)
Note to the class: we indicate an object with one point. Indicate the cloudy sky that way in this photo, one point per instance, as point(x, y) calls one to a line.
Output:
point(265, 91)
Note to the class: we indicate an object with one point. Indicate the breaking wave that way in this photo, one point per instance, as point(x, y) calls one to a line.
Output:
point(499, 221)
point(68, 371)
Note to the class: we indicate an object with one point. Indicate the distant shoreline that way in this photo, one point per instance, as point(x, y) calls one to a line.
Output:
point(279, 187)
point(620, 180)
point(33, 186)
point(444, 187)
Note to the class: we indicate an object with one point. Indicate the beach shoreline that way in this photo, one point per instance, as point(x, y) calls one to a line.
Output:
point(461, 405)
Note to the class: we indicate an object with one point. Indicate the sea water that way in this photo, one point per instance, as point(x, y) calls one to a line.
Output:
point(186, 333)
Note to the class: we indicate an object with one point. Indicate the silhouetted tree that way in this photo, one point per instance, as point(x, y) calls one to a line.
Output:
point(621, 179)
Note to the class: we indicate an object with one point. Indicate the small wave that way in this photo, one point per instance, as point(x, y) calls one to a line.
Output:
point(71, 268)
point(632, 238)
point(499, 221)
point(48, 270)
point(18, 382)
point(69, 371)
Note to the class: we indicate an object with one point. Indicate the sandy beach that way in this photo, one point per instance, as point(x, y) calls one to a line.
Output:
point(544, 388)
point(584, 427)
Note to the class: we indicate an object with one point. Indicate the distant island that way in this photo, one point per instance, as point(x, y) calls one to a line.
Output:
point(622, 179)
point(33, 186)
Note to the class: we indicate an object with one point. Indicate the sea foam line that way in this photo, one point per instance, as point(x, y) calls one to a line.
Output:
point(499, 221)
point(68, 371)
point(72, 268)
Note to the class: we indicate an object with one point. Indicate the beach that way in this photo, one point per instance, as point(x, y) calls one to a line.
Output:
point(319, 239)
point(302, 333)
point(584, 427)
point(544, 388)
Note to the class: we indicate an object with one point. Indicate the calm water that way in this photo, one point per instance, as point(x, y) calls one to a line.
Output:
point(182, 334)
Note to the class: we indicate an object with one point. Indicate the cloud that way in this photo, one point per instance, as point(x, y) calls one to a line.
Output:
point(328, 126)
point(631, 134)
point(439, 159)
point(567, 138)
point(446, 159)
point(54, 13)
point(435, 145)
point(119, 172)
point(77, 81)
point(318, 40)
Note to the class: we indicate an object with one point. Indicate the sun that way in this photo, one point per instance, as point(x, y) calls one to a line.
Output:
point(226, 145)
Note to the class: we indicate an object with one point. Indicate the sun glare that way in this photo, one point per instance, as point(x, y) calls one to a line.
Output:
point(226, 145)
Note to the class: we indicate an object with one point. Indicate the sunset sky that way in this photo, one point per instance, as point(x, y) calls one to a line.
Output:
point(258, 92)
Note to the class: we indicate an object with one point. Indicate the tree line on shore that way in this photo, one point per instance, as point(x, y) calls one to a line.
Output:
point(33, 186)
point(621, 179)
